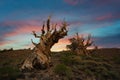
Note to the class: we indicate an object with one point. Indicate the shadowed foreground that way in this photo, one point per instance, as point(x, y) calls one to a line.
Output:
point(104, 64)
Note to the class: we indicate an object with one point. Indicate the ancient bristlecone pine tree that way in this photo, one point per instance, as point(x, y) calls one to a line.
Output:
point(40, 57)
point(79, 44)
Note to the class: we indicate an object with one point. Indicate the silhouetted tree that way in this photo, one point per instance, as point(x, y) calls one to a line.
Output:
point(79, 44)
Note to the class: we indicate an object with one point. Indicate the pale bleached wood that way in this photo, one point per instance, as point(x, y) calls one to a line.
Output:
point(40, 55)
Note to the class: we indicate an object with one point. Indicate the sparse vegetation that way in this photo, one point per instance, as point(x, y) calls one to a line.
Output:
point(9, 73)
point(65, 64)
point(63, 70)
point(116, 59)
point(70, 59)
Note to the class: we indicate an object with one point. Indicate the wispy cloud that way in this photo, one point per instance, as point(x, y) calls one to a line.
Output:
point(73, 2)
point(97, 17)
point(23, 30)
point(4, 43)
point(108, 17)
point(108, 41)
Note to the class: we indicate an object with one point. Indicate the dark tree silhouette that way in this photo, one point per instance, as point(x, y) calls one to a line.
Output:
point(79, 44)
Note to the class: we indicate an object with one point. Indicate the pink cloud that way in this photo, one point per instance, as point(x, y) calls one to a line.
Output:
point(101, 2)
point(21, 23)
point(104, 17)
point(61, 45)
point(73, 2)
point(23, 30)
point(65, 41)
point(22, 27)
point(3, 43)
point(26, 28)
point(106, 2)
point(108, 16)
point(75, 23)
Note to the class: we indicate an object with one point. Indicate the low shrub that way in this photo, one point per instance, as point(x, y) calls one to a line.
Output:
point(9, 73)
point(100, 70)
point(70, 59)
point(116, 59)
point(63, 70)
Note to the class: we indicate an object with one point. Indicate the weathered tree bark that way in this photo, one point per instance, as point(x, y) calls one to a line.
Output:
point(40, 57)
point(79, 45)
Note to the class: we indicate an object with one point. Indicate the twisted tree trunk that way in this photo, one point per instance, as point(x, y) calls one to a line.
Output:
point(40, 57)
point(79, 44)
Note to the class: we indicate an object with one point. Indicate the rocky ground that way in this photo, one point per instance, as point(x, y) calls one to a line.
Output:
point(104, 64)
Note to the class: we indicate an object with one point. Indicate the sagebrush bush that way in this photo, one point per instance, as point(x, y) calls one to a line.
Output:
point(100, 70)
point(116, 59)
point(63, 70)
point(12, 73)
point(70, 59)
point(67, 60)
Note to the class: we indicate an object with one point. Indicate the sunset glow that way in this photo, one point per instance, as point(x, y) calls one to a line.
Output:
point(100, 18)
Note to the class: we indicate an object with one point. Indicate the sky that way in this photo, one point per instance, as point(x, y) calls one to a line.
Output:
point(100, 18)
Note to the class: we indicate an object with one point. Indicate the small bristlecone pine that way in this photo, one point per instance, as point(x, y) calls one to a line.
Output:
point(79, 44)
point(40, 57)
